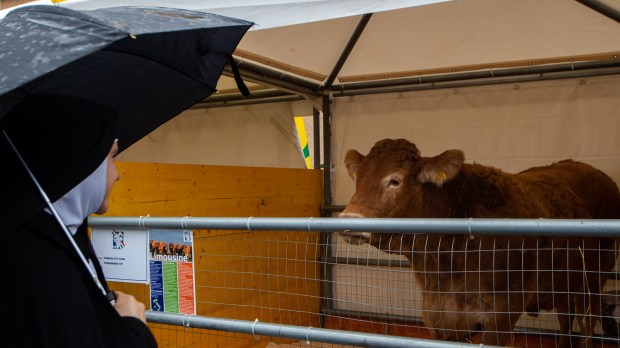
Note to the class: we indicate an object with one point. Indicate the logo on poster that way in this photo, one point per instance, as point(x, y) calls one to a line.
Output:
point(118, 239)
point(187, 236)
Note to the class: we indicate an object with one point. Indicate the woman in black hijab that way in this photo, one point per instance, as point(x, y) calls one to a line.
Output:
point(48, 295)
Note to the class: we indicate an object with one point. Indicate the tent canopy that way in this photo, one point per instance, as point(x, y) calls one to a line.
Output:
point(307, 46)
point(330, 51)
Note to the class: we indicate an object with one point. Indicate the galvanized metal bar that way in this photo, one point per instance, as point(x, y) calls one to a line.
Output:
point(260, 96)
point(396, 86)
point(569, 69)
point(333, 208)
point(261, 74)
point(385, 317)
point(327, 270)
point(297, 85)
point(327, 158)
point(308, 334)
point(316, 135)
point(327, 275)
point(326, 288)
point(356, 261)
point(414, 320)
point(207, 104)
point(530, 227)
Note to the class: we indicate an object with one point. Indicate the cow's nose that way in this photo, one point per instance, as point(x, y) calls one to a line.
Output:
point(346, 214)
point(354, 237)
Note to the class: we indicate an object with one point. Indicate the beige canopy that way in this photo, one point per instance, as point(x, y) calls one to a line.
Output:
point(327, 55)
point(443, 38)
point(349, 41)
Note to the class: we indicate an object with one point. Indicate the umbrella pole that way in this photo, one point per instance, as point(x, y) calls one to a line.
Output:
point(109, 295)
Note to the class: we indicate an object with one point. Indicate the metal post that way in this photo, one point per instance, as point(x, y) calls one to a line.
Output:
point(316, 124)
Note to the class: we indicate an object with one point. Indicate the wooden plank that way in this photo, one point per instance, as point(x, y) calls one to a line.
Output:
point(181, 190)
point(270, 275)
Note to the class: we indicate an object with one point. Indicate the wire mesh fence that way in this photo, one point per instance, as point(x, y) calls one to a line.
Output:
point(470, 287)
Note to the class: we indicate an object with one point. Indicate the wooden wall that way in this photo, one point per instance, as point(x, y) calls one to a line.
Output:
point(270, 276)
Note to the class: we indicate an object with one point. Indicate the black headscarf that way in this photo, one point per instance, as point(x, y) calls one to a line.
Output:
point(62, 139)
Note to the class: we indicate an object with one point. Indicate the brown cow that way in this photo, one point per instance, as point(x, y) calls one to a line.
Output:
point(163, 248)
point(187, 251)
point(153, 247)
point(482, 284)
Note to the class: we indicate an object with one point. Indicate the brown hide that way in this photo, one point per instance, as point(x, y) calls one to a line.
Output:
point(484, 283)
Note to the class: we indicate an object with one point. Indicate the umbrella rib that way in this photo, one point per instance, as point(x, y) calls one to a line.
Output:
point(82, 16)
point(50, 206)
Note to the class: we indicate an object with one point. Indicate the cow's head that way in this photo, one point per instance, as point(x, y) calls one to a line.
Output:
point(389, 184)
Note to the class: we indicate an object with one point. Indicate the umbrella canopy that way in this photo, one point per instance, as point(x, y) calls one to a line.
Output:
point(147, 63)
point(72, 81)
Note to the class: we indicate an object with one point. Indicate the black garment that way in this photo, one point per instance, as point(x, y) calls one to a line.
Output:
point(62, 139)
point(48, 298)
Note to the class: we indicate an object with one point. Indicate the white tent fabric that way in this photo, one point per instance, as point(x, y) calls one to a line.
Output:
point(511, 126)
point(251, 136)
point(403, 38)
point(406, 37)
point(255, 135)
point(444, 37)
point(265, 13)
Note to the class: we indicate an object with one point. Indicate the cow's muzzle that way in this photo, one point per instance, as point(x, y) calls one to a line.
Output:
point(355, 238)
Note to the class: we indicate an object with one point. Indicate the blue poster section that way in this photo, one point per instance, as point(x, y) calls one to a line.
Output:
point(157, 286)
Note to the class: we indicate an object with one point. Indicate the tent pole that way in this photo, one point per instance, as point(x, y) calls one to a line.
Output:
point(426, 82)
point(359, 29)
point(444, 81)
point(327, 192)
point(326, 271)
point(602, 8)
point(316, 126)
point(256, 73)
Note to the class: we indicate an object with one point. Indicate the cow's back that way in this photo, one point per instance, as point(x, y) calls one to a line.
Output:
point(575, 190)
point(571, 190)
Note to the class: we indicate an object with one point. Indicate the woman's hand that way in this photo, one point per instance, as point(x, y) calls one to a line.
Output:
point(127, 306)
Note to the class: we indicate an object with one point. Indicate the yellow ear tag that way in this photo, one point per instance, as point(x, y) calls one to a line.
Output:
point(57, 1)
point(442, 176)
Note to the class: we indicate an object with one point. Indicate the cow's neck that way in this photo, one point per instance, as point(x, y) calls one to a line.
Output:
point(473, 193)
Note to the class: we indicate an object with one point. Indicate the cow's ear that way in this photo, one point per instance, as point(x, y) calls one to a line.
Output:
point(352, 160)
point(442, 168)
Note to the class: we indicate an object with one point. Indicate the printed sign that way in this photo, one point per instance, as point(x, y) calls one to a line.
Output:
point(171, 262)
point(122, 254)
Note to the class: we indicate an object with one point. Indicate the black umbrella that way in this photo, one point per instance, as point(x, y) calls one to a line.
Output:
point(149, 64)
point(143, 65)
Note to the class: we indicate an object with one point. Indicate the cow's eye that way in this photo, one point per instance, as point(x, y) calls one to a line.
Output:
point(394, 182)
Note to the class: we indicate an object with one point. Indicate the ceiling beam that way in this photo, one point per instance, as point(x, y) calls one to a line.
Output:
point(603, 7)
point(359, 29)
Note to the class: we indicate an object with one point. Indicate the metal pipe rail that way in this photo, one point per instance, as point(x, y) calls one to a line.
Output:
point(530, 227)
point(309, 334)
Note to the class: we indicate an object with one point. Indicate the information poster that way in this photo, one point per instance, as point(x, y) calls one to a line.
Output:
point(122, 253)
point(171, 263)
